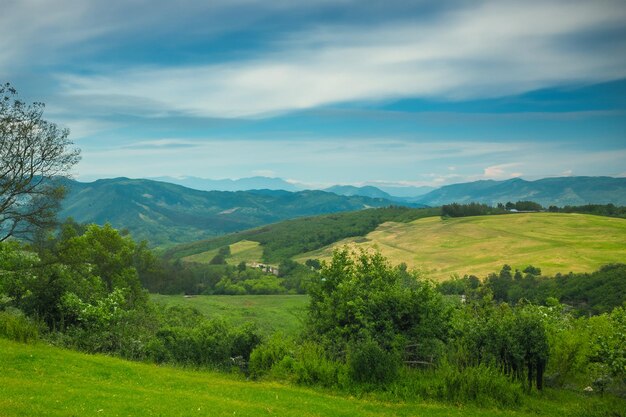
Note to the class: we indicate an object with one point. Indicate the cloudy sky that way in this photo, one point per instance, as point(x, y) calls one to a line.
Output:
point(323, 92)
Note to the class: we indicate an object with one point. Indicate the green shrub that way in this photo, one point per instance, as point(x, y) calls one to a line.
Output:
point(268, 354)
point(15, 326)
point(369, 364)
point(482, 384)
point(313, 367)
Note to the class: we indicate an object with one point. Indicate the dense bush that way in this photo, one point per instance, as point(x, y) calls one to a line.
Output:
point(515, 340)
point(15, 326)
point(359, 297)
point(274, 354)
point(369, 364)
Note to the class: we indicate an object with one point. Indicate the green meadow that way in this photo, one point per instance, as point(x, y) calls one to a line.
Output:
point(39, 380)
point(242, 251)
point(271, 313)
point(480, 245)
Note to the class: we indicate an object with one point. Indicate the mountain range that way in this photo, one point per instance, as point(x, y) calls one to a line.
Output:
point(165, 213)
point(227, 184)
point(559, 191)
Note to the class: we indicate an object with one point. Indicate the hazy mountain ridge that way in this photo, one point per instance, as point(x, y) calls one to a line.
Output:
point(227, 184)
point(558, 191)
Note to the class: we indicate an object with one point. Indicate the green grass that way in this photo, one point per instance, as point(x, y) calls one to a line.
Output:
point(39, 380)
point(242, 251)
point(270, 312)
point(245, 251)
point(554, 242)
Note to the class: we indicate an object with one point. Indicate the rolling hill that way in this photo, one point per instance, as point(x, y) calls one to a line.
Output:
point(547, 191)
point(166, 214)
point(285, 239)
point(481, 245)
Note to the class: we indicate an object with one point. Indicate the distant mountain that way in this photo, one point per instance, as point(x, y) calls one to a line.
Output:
point(350, 190)
point(164, 213)
point(242, 184)
point(409, 196)
point(548, 191)
point(408, 192)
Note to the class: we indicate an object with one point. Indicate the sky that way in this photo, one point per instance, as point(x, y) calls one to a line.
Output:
point(327, 92)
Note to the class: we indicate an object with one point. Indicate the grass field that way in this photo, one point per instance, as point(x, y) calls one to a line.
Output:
point(39, 380)
point(270, 312)
point(245, 250)
point(480, 245)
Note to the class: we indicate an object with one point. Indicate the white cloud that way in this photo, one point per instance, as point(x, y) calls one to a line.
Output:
point(501, 171)
point(494, 49)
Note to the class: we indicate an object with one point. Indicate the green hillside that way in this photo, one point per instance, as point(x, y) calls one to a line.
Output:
point(41, 380)
point(480, 245)
point(288, 238)
point(271, 313)
point(165, 214)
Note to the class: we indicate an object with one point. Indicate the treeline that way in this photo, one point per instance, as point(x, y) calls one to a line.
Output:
point(289, 238)
point(586, 293)
point(179, 277)
point(609, 210)
point(478, 209)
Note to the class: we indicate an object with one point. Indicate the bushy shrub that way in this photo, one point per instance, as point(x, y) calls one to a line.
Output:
point(15, 326)
point(483, 384)
point(212, 343)
point(312, 366)
point(369, 364)
point(265, 357)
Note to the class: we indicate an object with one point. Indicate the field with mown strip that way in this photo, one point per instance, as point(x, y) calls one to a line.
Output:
point(39, 380)
point(479, 245)
point(242, 251)
point(270, 312)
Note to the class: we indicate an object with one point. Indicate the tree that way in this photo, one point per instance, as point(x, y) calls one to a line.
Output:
point(359, 297)
point(34, 155)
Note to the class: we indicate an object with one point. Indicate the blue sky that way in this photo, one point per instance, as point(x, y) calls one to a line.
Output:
point(324, 92)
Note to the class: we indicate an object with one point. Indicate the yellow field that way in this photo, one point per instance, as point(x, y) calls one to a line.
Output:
point(245, 250)
point(554, 242)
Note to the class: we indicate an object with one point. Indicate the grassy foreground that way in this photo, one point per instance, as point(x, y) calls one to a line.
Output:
point(39, 380)
point(270, 312)
point(480, 245)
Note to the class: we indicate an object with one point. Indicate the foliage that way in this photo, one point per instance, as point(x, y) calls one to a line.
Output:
point(359, 297)
point(513, 339)
point(274, 353)
point(470, 209)
point(610, 349)
point(15, 326)
point(480, 384)
point(369, 364)
point(208, 279)
point(593, 293)
point(610, 210)
point(212, 343)
point(33, 154)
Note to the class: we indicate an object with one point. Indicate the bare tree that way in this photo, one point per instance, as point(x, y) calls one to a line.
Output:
point(34, 155)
